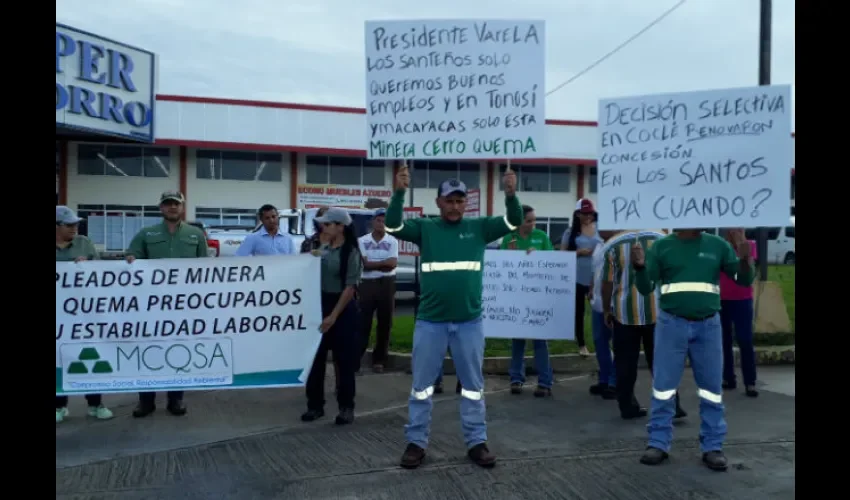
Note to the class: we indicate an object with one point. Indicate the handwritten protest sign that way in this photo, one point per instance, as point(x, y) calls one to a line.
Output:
point(719, 158)
point(530, 296)
point(455, 89)
point(186, 324)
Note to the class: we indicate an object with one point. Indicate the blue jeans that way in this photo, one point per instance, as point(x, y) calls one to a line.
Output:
point(602, 340)
point(701, 341)
point(430, 342)
point(738, 315)
point(541, 362)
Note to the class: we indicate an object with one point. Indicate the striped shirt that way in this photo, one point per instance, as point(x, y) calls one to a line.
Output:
point(628, 305)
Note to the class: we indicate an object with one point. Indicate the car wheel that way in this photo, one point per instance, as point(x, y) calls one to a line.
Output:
point(790, 258)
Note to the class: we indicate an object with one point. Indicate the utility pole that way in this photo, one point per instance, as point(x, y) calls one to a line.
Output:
point(766, 22)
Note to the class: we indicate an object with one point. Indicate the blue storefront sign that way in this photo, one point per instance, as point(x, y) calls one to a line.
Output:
point(103, 86)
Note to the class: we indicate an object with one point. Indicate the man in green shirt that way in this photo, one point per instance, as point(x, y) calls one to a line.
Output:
point(449, 316)
point(686, 268)
point(73, 247)
point(529, 238)
point(170, 239)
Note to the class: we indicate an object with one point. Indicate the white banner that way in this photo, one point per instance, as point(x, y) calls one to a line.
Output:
point(718, 158)
point(453, 89)
point(186, 324)
point(529, 296)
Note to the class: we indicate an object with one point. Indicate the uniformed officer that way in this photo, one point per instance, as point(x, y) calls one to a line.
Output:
point(170, 239)
point(73, 247)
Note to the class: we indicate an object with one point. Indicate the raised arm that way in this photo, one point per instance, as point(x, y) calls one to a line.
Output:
point(496, 227)
point(406, 230)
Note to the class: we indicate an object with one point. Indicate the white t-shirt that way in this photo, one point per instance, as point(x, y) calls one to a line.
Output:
point(376, 251)
point(598, 264)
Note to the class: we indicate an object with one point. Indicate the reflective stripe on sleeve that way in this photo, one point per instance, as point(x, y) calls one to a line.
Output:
point(430, 267)
point(689, 287)
point(663, 395)
point(394, 229)
point(472, 395)
point(422, 395)
point(507, 223)
point(710, 396)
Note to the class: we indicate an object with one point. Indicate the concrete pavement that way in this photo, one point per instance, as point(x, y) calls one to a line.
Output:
point(251, 445)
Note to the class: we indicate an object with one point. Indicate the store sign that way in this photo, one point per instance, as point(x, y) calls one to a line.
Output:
point(333, 195)
point(103, 86)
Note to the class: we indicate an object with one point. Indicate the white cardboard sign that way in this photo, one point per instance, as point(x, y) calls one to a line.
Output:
point(455, 89)
point(717, 158)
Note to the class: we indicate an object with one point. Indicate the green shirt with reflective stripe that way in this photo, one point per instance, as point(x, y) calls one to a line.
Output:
point(156, 242)
point(80, 246)
point(628, 305)
point(452, 257)
point(687, 273)
point(536, 240)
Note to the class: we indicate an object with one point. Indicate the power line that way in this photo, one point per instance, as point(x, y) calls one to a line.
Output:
point(618, 47)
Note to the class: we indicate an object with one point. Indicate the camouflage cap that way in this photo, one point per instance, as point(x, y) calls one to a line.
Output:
point(172, 195)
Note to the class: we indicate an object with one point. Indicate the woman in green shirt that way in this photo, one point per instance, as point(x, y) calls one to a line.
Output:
point(341, 270)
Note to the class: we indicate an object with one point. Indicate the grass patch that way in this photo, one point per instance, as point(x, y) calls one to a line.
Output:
point(401, 339)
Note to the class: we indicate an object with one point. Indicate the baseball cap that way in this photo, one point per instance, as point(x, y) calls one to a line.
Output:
point(380, 212)
point(451, 186)
point(335, 215)
point(585, 206)
point(66, 216)
point(171, 195)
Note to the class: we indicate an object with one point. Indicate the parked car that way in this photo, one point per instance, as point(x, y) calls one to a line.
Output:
point(227, 239)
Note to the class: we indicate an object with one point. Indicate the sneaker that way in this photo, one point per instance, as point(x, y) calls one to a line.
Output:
point(100, 412)
point(542, 392)
point(751, 391)
point(346, 416)
point(61, 413)
point(143, 410)
point(413, 456)
point(516, 387)
point(715, 460)
point(176, 408)
point(481, 455)
point(583, 352)
point(653, 456)
point(311, 415)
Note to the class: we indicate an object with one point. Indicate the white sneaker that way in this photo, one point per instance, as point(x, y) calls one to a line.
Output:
point(61, 413)
point(100, 412)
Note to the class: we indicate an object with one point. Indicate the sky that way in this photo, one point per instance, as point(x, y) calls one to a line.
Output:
point(312, 51)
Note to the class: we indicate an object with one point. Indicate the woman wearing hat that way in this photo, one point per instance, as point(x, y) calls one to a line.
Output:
point(583, 239)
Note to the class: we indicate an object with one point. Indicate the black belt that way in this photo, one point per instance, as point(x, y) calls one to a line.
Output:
point(692, 318)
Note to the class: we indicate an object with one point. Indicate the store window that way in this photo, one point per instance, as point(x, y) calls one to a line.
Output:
point(345, 170)
point(112, 227)
point(429, 174)
point(593, 181)
point(238, 165)
point(540, 178)
point(242, 217)
point(123, 161)
point(554, 227)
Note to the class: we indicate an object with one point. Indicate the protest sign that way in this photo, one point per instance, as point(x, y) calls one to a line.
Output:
point(529, 296)
point(406, 247)
point(455, 89)
point(718, 158)
point(186, 324)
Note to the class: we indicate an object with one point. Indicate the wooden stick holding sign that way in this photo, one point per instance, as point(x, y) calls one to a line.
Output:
point(509, 181)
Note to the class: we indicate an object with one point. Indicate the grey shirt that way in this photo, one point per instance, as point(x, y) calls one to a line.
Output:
point(584, 263)
point(331, 282)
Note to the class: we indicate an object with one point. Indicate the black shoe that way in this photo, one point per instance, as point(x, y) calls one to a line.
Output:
point(143, 410)
point(516, 388)
point(458, 387)
point(751, 391)
point(438, 388)
point(598, 389)
point(610, 393)
point(412, 457)
point(729, 386)
point(715, 460)
point(633, 413)
point(346, 416)
point(481, 455)
point(680, 413)
point(311, 415)
point(542, 392)
point(176, 408)
point(653, 456)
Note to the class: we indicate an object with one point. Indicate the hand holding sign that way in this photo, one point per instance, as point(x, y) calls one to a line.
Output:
point(509, 182)
point(638, 256)
point(402, 178)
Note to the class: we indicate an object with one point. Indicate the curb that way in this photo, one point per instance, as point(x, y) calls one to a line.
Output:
point(577, 364)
